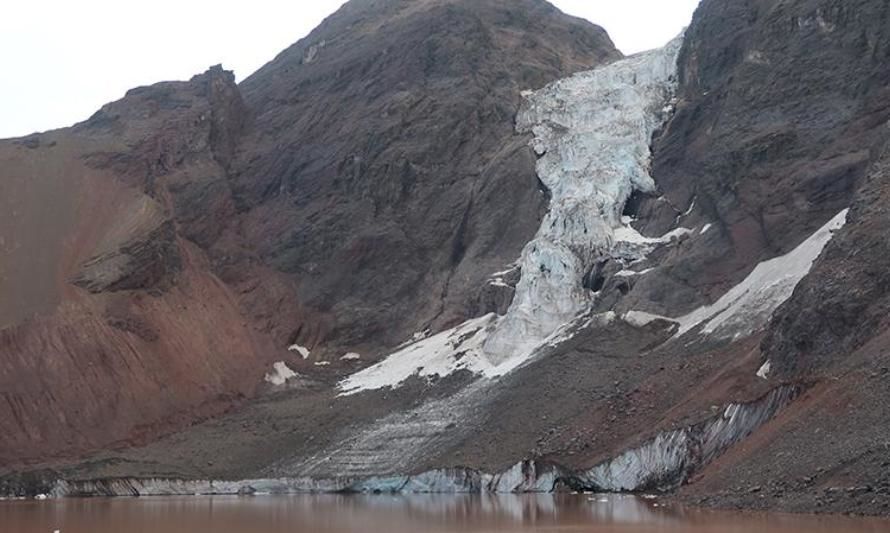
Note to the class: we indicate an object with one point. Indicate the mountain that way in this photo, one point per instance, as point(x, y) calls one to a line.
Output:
point(441, 245)
point(160, 256)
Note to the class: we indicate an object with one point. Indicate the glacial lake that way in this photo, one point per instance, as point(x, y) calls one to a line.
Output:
point(400, 514)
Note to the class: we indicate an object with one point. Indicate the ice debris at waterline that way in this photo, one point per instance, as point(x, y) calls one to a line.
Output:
point(660, 464)
point(593, 132)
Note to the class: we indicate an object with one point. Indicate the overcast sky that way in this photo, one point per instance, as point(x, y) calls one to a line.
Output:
point(60, 60)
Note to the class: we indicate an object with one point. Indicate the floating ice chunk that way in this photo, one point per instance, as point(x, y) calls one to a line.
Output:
point(748, 306)
point(764, 371)
point(303, 351)
point(280, 374)
point(351, 356)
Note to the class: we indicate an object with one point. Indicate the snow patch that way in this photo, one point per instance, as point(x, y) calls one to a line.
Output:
point(280, 374)
point(439, 355)
point(633, 273)
point(764, 371)
point(507, 272)
point(706, 229)
point(459, 348)
point(641, 319)
point(302, 350)
point(748, 306)
point(351, 356)
point(628, 234)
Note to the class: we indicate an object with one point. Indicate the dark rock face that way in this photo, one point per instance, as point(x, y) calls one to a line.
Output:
point(782, 124)
point(844, 302)
point(158, 257)
point(782, 109)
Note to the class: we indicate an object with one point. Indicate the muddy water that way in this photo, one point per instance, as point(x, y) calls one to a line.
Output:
point(398, 514)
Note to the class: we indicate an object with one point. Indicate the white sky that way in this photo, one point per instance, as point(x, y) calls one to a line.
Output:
point(61, 60)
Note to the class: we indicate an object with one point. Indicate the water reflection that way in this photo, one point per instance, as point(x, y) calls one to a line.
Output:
point(347, 514)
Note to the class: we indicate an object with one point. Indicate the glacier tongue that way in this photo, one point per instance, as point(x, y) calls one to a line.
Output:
point(593, 132)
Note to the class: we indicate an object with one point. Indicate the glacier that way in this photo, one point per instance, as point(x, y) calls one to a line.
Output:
point(592, 132)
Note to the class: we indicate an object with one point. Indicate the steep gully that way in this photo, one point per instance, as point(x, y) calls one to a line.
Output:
point(599, 124)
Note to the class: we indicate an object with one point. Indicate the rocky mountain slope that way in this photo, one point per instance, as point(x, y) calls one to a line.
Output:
point(159, 257)
point(474, 271)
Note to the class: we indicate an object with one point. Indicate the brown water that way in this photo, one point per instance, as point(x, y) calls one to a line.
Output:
point(400, 514)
